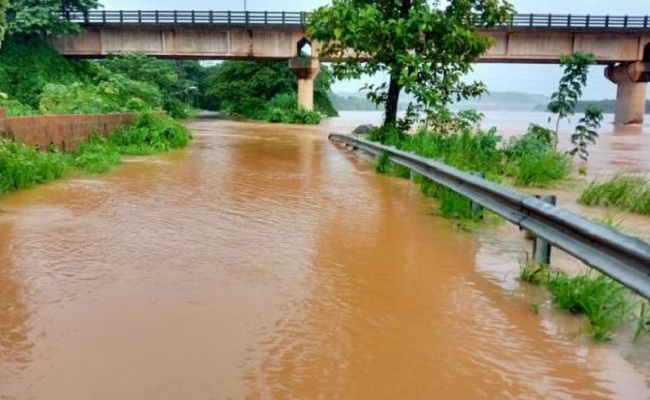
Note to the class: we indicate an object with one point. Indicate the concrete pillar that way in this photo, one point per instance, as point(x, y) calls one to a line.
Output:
point(630, 78)
point(306, 70)
point(630, 103)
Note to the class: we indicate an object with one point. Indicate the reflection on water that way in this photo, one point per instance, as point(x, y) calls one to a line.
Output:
point(265, 262)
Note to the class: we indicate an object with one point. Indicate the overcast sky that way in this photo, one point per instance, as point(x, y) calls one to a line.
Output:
point(540, 79)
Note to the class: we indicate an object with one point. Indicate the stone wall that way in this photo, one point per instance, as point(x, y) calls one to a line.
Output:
point(63, 131)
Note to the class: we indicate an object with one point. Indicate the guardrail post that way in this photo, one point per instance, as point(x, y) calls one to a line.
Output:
point(542, 248)
point(530, 21)
point(477, 209)
point(175, 16)
point(86, 17)
point(550, 20)
point(607, 21)
point(156, 16)
point(193, 18)
point(211, 17)
point(625, 22)
point(266, 17)
point(121, 17)
point(139, 16)
point(645, 22)
point(104, 16)
point(283, 17)
point(229, 17)
point(588, 16)
point(569, 21)
point(246, 17)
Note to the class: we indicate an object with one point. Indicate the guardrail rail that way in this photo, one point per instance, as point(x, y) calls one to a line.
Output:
point(621, 257)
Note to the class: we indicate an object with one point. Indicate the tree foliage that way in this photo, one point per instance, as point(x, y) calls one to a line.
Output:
point(166, 75)
point(265, 91)
point(424, 47)
point(585, 132)
point(574, 78)
point(29, 18)
point(4, 4)
point(564, 102)
point(27, 67)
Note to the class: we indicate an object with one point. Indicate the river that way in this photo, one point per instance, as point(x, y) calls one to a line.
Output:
point(265, 262)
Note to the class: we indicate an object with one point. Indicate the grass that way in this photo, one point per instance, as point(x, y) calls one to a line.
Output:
point(605, 302)
point(528, 160)
point(23, 166)
point(631, 193)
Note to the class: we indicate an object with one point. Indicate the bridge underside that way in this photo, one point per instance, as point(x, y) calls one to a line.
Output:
point(515, 46)
point(518, 45)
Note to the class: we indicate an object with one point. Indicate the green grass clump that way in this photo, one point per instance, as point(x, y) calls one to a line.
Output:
point(23, 166)
point(631, 193)
point(605, 302)
point(534, 273)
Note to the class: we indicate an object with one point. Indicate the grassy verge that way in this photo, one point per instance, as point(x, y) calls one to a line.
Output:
point(528, 160)
point(606, 303)
point(23, 166)
point(631, 193)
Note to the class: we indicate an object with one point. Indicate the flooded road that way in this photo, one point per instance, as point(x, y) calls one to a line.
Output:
point(266, 263)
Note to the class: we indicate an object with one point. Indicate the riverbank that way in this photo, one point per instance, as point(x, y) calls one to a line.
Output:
point(23, 165)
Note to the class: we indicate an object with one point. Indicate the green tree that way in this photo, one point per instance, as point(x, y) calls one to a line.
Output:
point(167, 75)
point(30, 18)
point(424, 47)
point(565, 101)
point(574, 79)
point(4, 4)
point(585, 132)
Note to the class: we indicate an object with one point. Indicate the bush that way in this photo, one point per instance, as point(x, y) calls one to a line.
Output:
point(117, 94)
point(27, 67)
point(15, 108)
point(23, 166)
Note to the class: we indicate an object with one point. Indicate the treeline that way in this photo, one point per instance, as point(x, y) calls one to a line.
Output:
point(352, 103)
point(36, 79)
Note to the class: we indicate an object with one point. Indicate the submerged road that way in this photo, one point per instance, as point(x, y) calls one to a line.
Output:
point(263, 262)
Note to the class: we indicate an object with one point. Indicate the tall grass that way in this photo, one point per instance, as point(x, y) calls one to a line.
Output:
point(528, 160)
point(605, 302)
point(23, 166)
point(631, 193)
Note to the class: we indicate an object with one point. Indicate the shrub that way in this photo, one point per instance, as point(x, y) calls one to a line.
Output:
point(117, 94)
point(23, 166)
point(15, 108)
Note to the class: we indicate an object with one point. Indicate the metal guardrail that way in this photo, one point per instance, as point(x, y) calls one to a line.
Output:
point(299, 19)
point(622, 257)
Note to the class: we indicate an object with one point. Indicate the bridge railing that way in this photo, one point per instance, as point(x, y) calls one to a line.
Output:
point(299, 19)
point(227, 18)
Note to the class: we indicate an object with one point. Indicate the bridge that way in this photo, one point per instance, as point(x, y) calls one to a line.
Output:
point(620, 42)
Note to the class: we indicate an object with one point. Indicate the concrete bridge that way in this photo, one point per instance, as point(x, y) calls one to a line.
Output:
point(620, 42)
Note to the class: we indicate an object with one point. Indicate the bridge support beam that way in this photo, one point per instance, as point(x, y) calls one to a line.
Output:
point(306, 69)
point(630, 78)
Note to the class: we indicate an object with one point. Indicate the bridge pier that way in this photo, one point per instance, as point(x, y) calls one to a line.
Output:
point(306, 69)
point(630, 78)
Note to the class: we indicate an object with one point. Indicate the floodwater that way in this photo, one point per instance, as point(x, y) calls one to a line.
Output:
point(266, 263)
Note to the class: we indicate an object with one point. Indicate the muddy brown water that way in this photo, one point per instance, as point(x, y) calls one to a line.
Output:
point(266, 263)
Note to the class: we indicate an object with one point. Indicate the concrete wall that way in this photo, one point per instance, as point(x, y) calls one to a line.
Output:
point(517, 45)
point(64, 131)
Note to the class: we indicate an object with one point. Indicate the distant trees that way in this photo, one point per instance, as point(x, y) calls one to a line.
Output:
point(4, 4)
point(29, 18)
point(425, 47)
point(265, 91)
